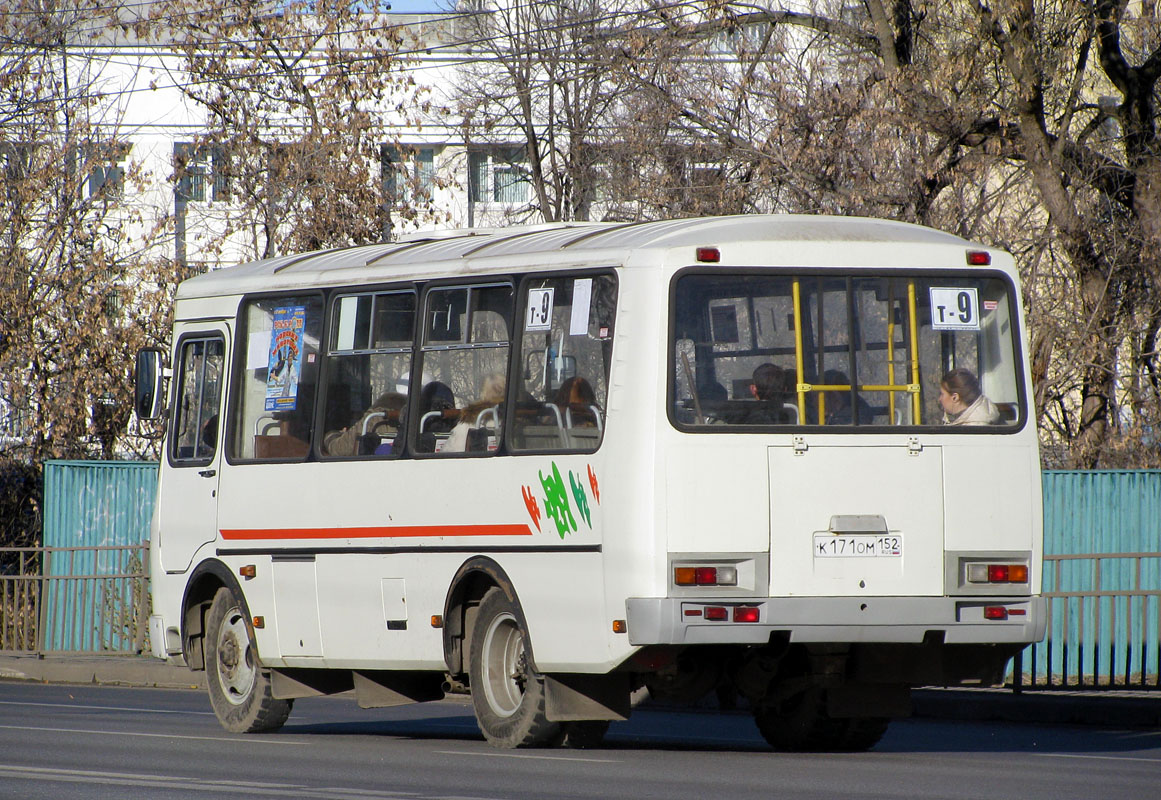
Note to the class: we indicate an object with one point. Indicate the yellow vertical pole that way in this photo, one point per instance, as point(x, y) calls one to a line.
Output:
point(914, 325)
point(798, 365)
point(891, 349)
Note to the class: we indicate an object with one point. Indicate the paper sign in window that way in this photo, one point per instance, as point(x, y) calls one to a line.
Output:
point(582, 300)
point(955, 309)
point(538, 314)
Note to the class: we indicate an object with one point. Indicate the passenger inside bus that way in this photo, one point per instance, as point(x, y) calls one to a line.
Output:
point(437, 414)
point(479, 420)
point(771, 386)
point(962, 401)
point(578, 403)
point(839, 410)
point(372, 433)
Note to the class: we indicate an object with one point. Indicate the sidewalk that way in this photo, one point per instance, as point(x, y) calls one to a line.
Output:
point(1115, 709)
point(113, 670)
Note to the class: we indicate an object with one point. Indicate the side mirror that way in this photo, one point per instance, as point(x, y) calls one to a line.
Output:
point(149, 385)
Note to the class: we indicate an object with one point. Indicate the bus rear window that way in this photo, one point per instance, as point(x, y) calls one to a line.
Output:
point(762, 350)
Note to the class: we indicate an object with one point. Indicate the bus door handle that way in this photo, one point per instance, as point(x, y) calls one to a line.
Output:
point(208, 473)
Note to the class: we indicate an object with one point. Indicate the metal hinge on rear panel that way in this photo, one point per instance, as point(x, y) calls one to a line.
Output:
point(799, 445)
point(914, 448)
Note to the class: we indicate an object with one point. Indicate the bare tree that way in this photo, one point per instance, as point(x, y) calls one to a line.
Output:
point(543, 80)
point(297, 97)
point(1032, 126)
point(80, 286)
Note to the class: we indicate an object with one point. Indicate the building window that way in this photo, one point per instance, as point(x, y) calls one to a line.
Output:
point(408, 173)
point(201, 172)
point(100, 166)
point(498, 175)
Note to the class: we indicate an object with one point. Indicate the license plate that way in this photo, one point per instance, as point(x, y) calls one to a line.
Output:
point(858, 545)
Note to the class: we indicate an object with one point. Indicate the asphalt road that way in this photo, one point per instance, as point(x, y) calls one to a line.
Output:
point(107, 742)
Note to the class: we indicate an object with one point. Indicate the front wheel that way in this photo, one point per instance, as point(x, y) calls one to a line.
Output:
point(239, 686)
point(507, 693)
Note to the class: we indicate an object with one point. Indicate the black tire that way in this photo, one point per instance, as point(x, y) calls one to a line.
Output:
point(507, 693)
point(238, 684)
point(801, 724)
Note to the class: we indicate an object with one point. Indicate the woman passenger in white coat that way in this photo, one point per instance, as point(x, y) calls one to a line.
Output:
point(962, 401)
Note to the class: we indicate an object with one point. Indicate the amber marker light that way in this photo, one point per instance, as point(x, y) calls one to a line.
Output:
point(620, 626)
point(259, 622)
point(248, 571)
point(437, 620)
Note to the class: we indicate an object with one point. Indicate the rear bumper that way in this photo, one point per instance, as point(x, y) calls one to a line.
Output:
point(958, 620)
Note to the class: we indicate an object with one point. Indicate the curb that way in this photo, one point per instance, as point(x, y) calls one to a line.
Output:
point(1112, 709)
point(140, 671)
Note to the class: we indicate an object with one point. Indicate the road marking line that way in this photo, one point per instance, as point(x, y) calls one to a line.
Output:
point(1100, 758)
point(233, 740)
point(218, 787)
point(529, 757)
point(104, 708)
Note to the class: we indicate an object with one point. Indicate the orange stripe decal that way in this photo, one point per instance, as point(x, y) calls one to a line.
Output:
point(388, 532)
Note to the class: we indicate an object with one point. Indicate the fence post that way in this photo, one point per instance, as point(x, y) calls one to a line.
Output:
point(42, 596)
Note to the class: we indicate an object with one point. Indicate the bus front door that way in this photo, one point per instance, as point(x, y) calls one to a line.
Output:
point(189, 476)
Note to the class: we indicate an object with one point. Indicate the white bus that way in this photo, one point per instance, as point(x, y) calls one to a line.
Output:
point(784, 461)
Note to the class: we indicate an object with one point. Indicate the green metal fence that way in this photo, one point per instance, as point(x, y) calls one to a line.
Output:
point(86, 589)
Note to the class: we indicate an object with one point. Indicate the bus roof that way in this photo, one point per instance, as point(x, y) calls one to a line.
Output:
point(466, 250)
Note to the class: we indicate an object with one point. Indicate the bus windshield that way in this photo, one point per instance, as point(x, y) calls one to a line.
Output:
point(755, 349)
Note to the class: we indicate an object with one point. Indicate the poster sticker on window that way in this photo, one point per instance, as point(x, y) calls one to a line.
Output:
point(538, 314)
point(955, 309)
point(285, 358)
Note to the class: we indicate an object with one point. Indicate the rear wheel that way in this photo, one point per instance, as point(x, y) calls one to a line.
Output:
point(507, 693)
point(239, 686)
point(801, 723)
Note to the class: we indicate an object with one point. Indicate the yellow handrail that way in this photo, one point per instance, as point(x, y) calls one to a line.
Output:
point(892, 386)
point(802, 387)
point(915, 404)
point(891, 349)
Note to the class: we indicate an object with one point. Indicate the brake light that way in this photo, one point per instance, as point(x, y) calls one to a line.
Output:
point(705, 576)
point(717, 613)
point(995, 612)
point(996, 573)
point(979, 258)
point(746, 614)
point(709, 255)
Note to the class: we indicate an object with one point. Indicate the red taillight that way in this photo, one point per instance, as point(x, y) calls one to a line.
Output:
point(997, 573)
point(705, 576)
point(709, 255)
point(746, 614)
point(717, 613)
point(979, 258)
point(995, 612)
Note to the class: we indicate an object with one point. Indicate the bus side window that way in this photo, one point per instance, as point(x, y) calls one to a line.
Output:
point(273, 413)
point(566, 339)
point(464, 355)
point(368, 364)
point(195, 425)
